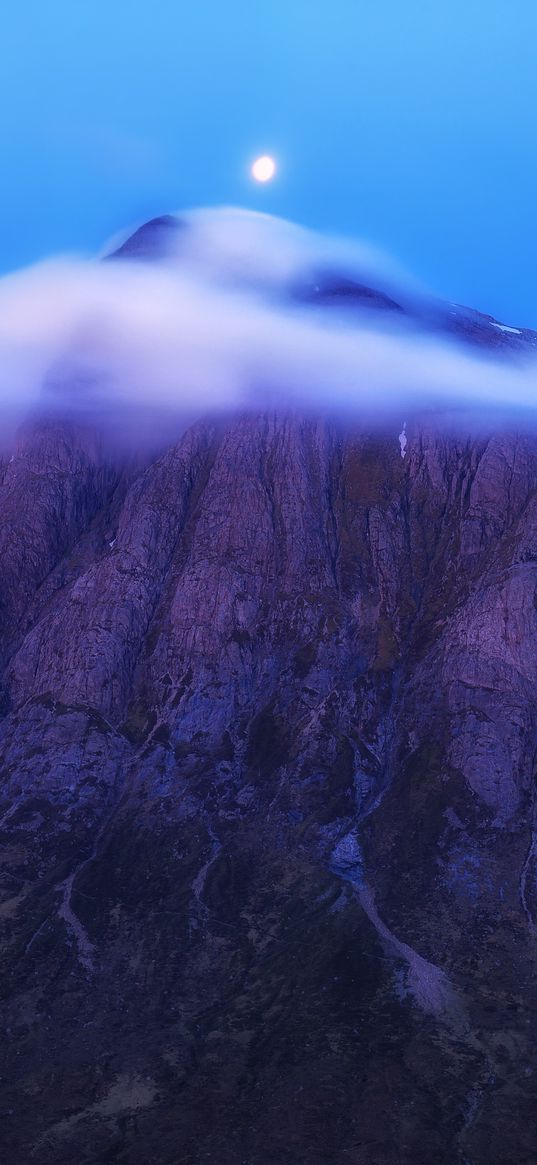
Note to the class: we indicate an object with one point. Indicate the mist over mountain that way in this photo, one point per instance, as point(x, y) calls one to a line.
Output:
point(223, 309)
point(268, 720)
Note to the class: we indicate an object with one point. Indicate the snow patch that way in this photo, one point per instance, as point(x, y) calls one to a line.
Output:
point(403, 440)
point(347, 861)
point(504, 328)
point(198, 885)
point(427, 983)
point(84, 947)
point(128, 1094)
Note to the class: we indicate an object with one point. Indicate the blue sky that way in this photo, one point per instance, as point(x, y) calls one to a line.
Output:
point(409, 123)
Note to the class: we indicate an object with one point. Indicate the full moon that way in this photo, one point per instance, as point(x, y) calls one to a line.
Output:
point(264, 169)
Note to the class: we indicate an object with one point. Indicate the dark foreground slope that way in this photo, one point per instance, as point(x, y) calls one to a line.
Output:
point(267, 755)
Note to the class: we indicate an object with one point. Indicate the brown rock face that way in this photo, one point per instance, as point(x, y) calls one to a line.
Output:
point(268, 825)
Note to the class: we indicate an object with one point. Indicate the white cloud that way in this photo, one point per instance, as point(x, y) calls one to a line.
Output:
point(210, 327)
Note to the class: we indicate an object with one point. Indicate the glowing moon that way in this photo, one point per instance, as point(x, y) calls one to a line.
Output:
point(264, 169)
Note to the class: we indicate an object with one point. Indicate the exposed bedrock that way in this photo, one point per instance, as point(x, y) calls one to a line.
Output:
point(268, 822)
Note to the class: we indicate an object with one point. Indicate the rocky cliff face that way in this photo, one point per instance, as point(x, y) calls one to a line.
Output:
point(268, 824)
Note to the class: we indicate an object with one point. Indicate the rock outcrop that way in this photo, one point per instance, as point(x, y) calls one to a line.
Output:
point(268, 825)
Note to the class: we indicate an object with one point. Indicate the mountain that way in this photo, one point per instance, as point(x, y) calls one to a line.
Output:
point(267, 743)
point(253, 249)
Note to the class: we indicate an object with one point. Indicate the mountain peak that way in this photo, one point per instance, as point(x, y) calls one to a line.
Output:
point(151, 240)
